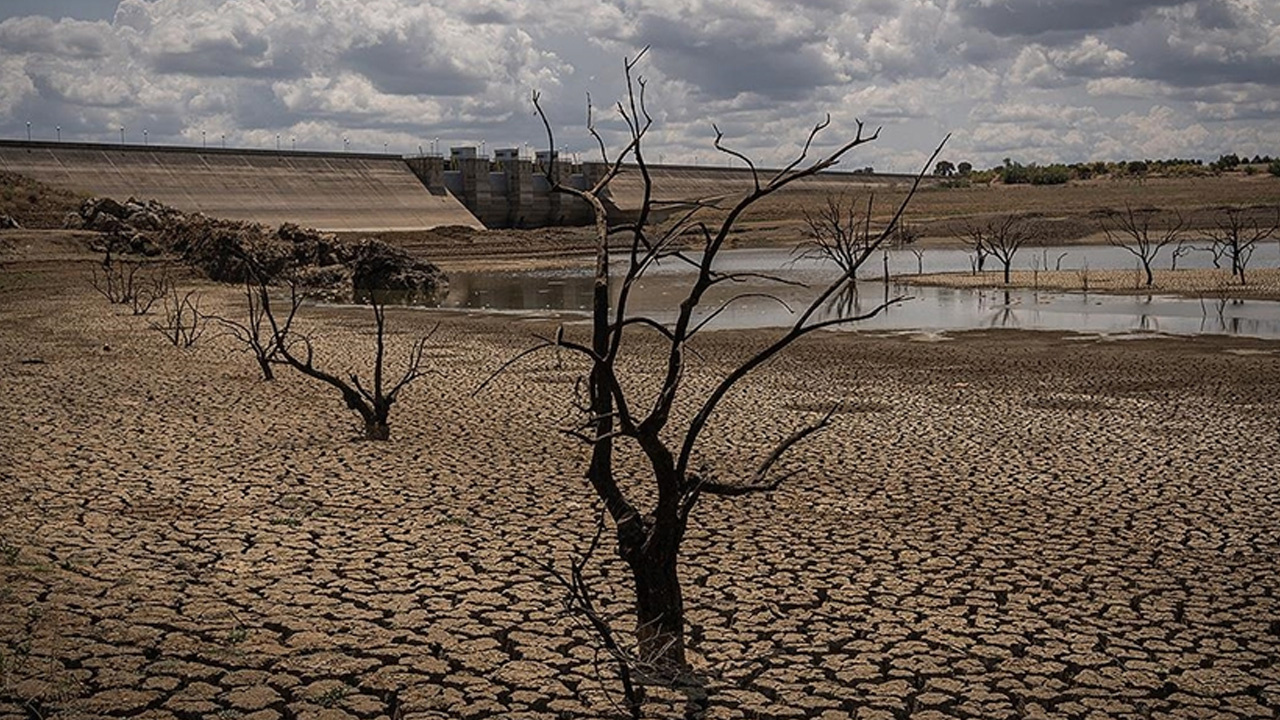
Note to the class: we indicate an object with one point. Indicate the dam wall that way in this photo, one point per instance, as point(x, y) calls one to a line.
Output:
point(360, 192)
point(338, 192)
point(507, 193)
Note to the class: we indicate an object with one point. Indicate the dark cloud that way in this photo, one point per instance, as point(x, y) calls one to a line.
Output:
point(254, 105)
point(1191, 72)
point(741, 58)
point(402, 66)
point(1211, 45)
point(488, 16)
point(76, 9)
point(1216, 15)
point(70, 38)
point(1039, 17)
point(237, 52)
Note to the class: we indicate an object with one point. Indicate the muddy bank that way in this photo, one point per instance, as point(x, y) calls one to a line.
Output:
point(1211, 285)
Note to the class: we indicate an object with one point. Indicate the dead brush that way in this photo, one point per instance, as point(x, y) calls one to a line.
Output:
point(183, 323)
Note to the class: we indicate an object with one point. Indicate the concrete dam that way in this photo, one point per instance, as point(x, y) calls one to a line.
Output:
point(338, 192)
point(361, 192)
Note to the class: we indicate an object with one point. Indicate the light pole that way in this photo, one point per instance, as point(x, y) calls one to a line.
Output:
point(277, 142)
point(204, 141)
point(28, 131)
point(144, 136)
point(58, 129)
point(224, 141)
point(384, 148)
point(293, 144)
point(121, 134)
point(437, 146)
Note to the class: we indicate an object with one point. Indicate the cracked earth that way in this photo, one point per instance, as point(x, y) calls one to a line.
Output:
point(1001, 525)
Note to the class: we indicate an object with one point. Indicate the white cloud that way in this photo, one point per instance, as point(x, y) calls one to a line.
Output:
point(1047, 79)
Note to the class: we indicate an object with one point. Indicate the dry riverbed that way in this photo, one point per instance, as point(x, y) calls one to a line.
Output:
point(1001, 525)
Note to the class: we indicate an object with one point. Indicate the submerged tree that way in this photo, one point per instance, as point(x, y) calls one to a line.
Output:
point(839, 232)
point(1236, 233)
point(1001, 237)
point(1136, 230)
point(616, 412)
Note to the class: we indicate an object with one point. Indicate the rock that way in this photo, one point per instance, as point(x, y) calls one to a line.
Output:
point(235, 251)
point(377, 266)
point(94, 207)
point(8, 223)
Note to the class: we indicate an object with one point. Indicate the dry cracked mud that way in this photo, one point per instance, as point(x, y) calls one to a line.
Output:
point(1003, 525)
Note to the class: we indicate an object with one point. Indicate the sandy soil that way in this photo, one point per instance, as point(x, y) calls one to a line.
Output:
point(1001, 525)
point(1212, 284)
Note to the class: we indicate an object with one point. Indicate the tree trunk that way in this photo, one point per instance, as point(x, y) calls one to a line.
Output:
point(1146, 265)
point(377, 429)
point(267, 373)
point(659, 612)
point(1006, 272)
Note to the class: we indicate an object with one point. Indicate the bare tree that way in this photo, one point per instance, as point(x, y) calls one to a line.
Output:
point(183, 324)
point(839, 232)
point(1137, 231)
point(1001, 237)
point(1182, 249)
point(906, 237)
point(254, 333)
point(137, 284)
point(294, 348)
point(649, 538)
point(1236, 234)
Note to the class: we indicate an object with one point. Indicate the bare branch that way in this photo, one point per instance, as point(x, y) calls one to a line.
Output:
point(719, 145)
point(725, 305)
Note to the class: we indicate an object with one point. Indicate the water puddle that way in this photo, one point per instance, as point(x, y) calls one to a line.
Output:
point(911, 308)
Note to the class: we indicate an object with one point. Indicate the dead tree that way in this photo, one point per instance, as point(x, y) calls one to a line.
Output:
point(839, 233)
point(649, 538)
point(136, 284)
point(906, 238)
point(183, 323)
point(254, 333)
point(295, 349)
point(1001, 237)
point(1182, 249)
point(1236, 234)
point(1132, 229)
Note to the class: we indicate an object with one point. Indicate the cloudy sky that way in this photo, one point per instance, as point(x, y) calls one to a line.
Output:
point(1033, 80)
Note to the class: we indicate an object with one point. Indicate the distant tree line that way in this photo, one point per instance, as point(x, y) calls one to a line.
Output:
point(1011, 172)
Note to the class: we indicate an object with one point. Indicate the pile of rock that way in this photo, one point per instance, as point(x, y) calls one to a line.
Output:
point(233, 251)
point(126, 227)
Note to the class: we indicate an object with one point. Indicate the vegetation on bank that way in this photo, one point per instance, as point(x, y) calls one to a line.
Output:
point(1012, 172)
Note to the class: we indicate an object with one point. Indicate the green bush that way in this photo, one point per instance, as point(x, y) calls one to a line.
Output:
point(1274, 168)
point(1015, 173)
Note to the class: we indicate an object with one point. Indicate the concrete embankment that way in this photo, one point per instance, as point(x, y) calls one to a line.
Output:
point(340, 192)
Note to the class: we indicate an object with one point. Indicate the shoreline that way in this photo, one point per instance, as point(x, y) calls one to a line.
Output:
point(1206, 284)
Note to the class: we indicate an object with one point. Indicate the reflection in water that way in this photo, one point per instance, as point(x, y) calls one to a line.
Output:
point(924, 308)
